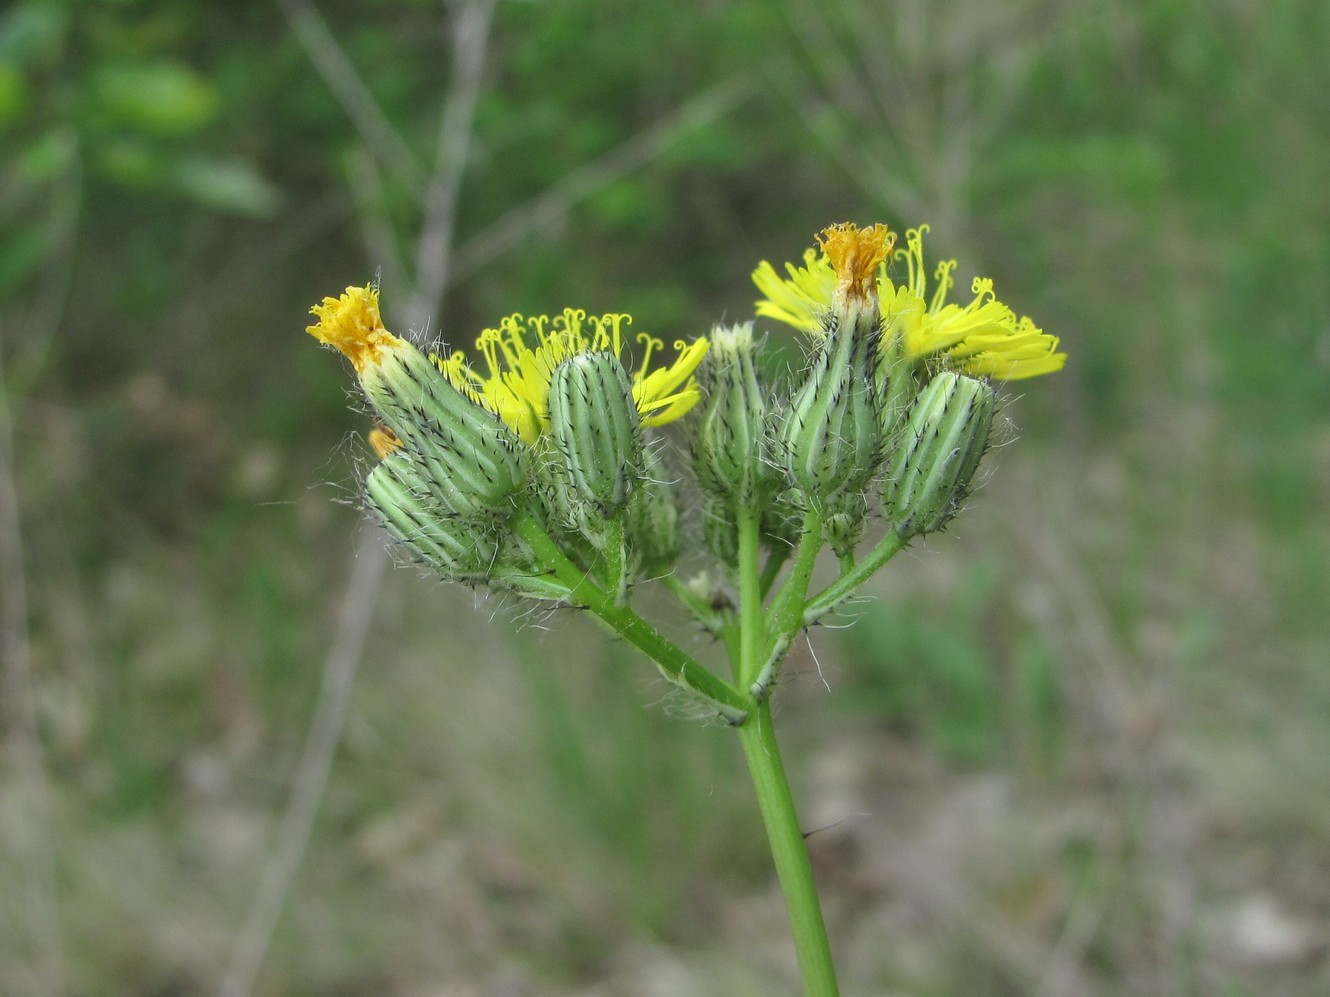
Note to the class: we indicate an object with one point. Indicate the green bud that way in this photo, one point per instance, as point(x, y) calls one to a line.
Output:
point(596, 429)
point(406, 503)
point(831, 440)
point(653, 520)
point(843, 526)
point(896, 387)
point(471, 460)
point(730, 444)
point(938, 453)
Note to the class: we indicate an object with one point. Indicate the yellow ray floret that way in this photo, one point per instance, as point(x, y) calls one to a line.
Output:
point(521, 354)
point(352, 324)
point(983, 337)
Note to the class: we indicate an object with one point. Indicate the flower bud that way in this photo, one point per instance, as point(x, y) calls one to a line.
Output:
point(472, 460)
point(596, 429)
point(843, 526)
point(406, 503)
point(653, 521)
point(939, 450)
point(830, 438)
point(730, 445)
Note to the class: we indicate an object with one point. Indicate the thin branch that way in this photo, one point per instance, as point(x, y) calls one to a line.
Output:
point(339, 673)
point(19, 368)
point(376, 131)
point(549, 206)
point(24, 740)
point(470, 36)
point(470, 40)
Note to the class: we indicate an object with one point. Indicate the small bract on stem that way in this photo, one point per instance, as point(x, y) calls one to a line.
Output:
point(533, 473)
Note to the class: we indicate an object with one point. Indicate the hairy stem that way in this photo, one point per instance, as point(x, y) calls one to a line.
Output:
point(844, 586)
point(677, 666)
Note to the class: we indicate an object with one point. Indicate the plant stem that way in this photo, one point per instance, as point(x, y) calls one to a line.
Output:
point(826, 600)
point(785, 611)
point(616, 566)
point(677, 666)
point(751, 628)
point(789, 852)
point(774, 799)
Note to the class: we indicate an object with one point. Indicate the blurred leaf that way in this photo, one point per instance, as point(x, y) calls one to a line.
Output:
point(24, 181)
point(226, 185)
point(160, 97)
point(14, 98)
point(130, 161)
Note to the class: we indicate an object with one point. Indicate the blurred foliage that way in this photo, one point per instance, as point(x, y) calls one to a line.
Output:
point(178, 183)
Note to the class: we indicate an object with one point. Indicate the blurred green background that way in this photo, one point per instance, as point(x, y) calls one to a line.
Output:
point(1080, 744)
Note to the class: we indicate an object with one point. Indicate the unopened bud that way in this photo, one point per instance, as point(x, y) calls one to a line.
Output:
point(730, 445)
point(596, 429)
point(405, 502)
point(831, 440)
point(472, 461)
point(843, 526)
point(937, 454)
point(653, 521)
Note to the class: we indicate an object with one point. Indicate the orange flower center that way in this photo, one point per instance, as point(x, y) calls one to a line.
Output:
point(855, 254)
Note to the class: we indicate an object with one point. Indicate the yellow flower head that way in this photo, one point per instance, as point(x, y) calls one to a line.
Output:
point(521, 354)
point(352, 324)
point(983, 337)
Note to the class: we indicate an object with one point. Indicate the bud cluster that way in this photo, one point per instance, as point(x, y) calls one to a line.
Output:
point(456, 467)
point(854, 416)
point(540, 474)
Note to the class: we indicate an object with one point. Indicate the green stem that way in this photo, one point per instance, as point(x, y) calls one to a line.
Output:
point(790, 854)
point(787, 607)
point(774, 799)
point(826, 600)
point(752, 631)
point(677, 666)
point(616, 563)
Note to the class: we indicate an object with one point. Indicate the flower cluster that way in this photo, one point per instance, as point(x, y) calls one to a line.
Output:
point(551, 426)
point(530, 465)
